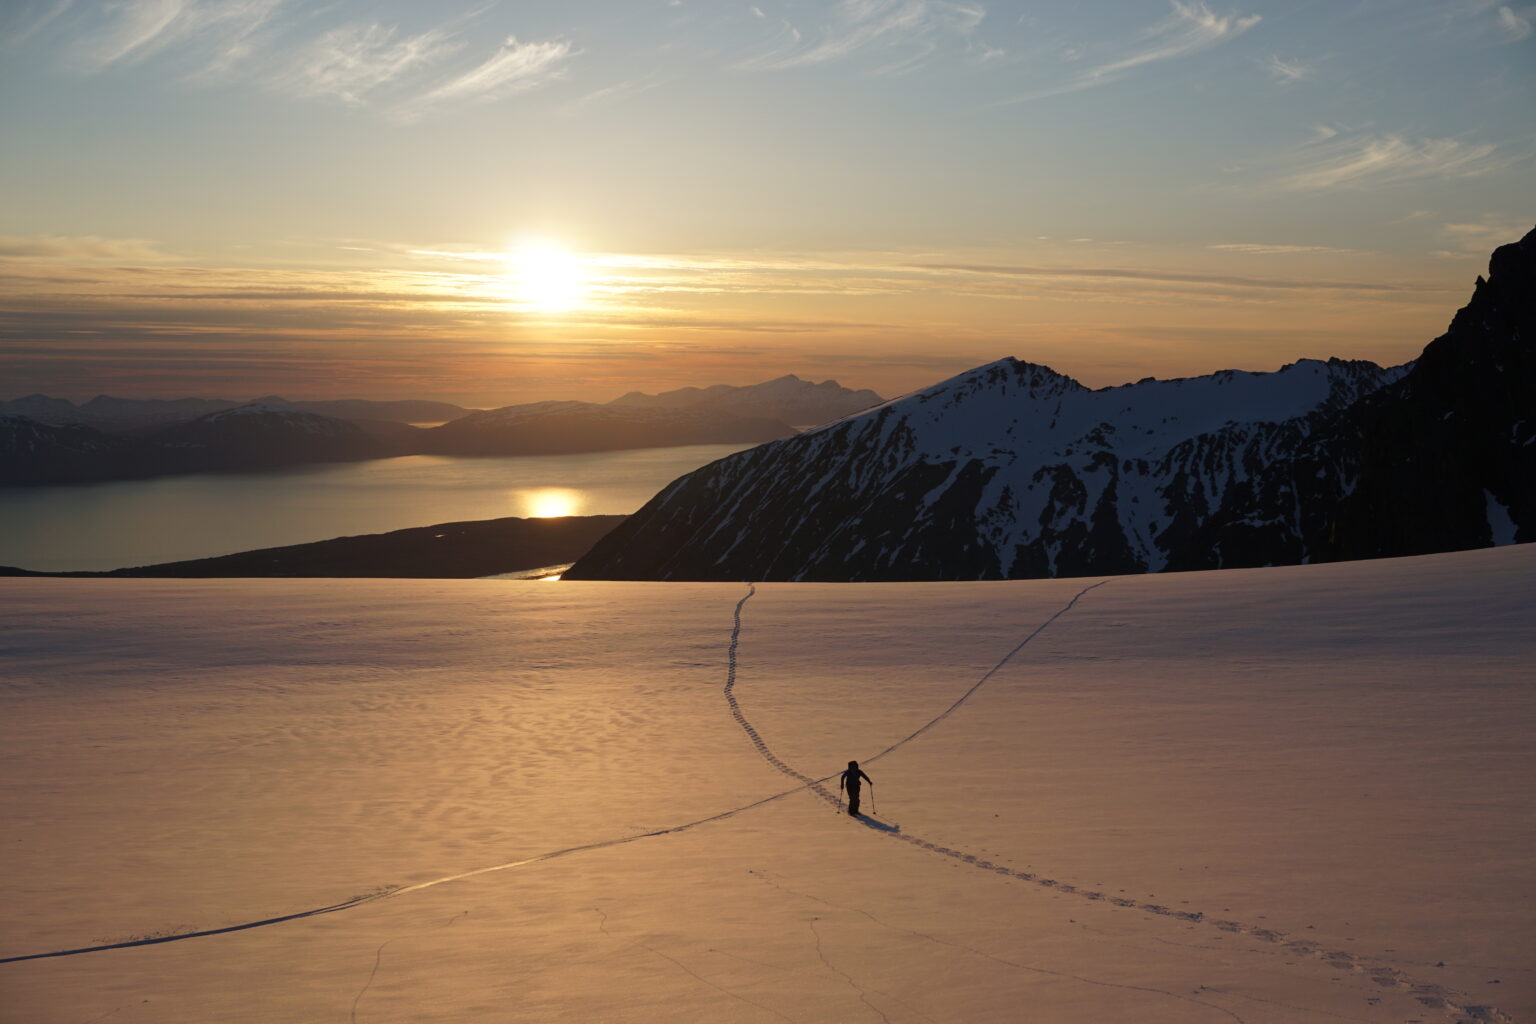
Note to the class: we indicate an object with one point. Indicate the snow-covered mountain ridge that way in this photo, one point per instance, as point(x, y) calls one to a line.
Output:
point(1012, 470)
point(1041, 412)
point(1054, 477)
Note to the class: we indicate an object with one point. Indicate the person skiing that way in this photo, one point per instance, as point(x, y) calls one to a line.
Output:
point(849, 780)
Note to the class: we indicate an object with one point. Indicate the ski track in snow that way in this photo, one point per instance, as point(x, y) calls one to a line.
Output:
point(990, 672)
point(603, 927)
point(763, 877)
point(378, 958)
point(1430, 996)
point(390, 892)
point(862, 992)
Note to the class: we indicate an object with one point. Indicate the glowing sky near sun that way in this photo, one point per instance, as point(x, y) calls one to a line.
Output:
point(502, 202)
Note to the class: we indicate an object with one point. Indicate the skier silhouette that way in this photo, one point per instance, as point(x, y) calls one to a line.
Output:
point(849, 780)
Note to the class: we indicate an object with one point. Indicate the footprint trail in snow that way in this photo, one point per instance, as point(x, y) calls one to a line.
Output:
point(1431, 996)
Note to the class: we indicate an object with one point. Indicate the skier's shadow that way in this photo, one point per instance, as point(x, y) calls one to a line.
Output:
point(877, 824)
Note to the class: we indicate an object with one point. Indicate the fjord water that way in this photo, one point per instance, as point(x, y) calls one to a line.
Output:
point(143, 522)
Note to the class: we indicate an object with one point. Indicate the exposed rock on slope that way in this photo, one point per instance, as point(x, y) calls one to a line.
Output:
point(1015, 471)
point(1449, 462)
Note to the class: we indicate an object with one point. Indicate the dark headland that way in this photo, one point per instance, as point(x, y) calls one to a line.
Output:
point(446, 551)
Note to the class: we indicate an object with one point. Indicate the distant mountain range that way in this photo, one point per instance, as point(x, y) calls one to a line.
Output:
point(1015, 471)
point(131, 415)
point(51, 441)
point(245, 437)
point(788, 398)
point(557, 428)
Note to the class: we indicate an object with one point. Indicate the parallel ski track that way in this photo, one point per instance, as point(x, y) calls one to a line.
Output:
point(804, 783)
point(1431, 996)
point(1435, 997)
point(391, 893)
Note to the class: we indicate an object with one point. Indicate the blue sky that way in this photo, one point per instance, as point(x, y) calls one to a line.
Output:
point(241, 196)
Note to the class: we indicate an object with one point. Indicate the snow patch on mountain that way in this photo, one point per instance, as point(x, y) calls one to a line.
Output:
point(1048, 476)
point(1501, 525)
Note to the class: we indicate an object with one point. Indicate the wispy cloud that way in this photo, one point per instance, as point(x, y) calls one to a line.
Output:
point(76, 249)
point(1516, 26)
point(1264, 249)
point(238, 32)
point(1481, 236)
point(139, 27)
point(435, 316)
point(298, 50)
point(1187, 29)
point(1166, 278)
point(869, 26)
point(633, 87)
point(218, 32)
point(1357, 161)
point(1286, 72)
point(516, 67)
point(20, 20)
point(349, 62)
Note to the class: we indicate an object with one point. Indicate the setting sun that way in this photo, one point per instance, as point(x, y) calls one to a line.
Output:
point(551, 502)
point(546, 277)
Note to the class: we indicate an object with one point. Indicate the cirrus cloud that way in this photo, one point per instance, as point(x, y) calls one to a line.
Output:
point(77, 248)
point(515, 67)
point(858, 26)
point(1286, 72)
point(1187, 29)
point(1515, 26)
point(352, 61)
point(1360, 161)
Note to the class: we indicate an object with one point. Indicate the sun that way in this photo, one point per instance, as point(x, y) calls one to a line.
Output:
point(551, 502)
point(546, 277)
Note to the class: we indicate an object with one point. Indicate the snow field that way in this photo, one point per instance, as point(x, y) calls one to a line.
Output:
point(1329, 765)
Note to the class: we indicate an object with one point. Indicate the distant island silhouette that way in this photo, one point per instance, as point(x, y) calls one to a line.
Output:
point(46, 440)
point(464, 550)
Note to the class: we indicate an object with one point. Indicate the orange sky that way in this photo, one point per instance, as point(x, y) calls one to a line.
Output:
point(231, 198)
point(465, 326)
